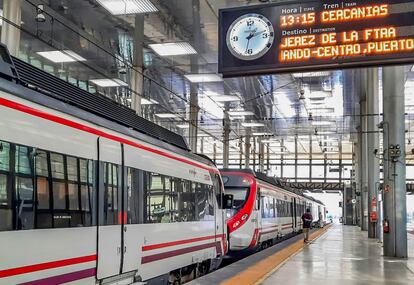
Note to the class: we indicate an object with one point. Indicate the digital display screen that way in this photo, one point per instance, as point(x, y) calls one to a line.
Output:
point(315, 35)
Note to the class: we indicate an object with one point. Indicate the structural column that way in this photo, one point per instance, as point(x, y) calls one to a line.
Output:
point(194, 108)
point(373, 144)
point(226, 138)
point(10, 34)
point(363, 152)
point(395, 212)
point(137, 77)
point(261, 156)
point(247, 151)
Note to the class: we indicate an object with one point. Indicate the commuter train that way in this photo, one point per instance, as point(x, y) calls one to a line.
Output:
point(86, 200)
point(262, 210)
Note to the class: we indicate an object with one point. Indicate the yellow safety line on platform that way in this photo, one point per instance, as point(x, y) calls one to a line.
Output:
point(263, 269)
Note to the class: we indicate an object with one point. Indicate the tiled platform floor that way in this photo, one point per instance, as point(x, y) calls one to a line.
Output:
point(344, 255)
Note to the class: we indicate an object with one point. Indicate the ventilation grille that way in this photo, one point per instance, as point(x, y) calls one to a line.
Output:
point(93, 103)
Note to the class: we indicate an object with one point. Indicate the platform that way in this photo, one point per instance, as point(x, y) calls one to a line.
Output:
point(341, 255)
point(344, 255)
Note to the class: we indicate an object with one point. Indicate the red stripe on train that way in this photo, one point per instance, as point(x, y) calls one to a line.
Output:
point(46, 265)
point(178, 242)
point(84, 128)
point(168, 254)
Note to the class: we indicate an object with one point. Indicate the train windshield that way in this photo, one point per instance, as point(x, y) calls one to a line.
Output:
point(239, 187)
point(239, 195)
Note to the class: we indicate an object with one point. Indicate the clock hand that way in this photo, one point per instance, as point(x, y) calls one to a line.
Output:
point(258, 33)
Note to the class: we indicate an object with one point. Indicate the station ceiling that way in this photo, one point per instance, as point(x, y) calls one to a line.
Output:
point(273, 109)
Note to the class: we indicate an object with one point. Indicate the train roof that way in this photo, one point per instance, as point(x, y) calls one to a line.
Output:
point(271, 180)
point(62, 96)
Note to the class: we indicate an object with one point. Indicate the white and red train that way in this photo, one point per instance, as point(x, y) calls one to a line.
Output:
point(84, 200)
point(263, 211)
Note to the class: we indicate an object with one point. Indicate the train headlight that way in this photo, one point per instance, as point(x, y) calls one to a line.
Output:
point(236, 224)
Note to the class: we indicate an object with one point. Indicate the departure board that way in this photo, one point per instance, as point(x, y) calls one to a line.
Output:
point(315, 35)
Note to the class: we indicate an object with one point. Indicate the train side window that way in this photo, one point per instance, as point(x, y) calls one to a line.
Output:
point(111, 194)
point(6, 213)
point(158, 198)
point(133, 196)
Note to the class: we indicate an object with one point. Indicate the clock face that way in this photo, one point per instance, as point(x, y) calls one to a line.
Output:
point(250, 36)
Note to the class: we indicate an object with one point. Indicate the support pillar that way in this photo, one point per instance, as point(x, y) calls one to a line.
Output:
point(261, 156)
point(372, 145)
point(247, 152)
point(395, 212)
point(10, 35)
point(137, 78)
point(194, 108)
point(226, 137)
point(363, 158)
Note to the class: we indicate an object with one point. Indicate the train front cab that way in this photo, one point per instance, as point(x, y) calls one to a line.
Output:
point(243, 218)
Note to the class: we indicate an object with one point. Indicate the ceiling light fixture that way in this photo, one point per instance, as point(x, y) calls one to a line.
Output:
point(115, 82)
point(322, 123)
point(183, 126)
point(240, 113)
point(251, 125)
point(171, 49)
point(225, 98)
point(166, 115)
point(145, 101)
point(61, 56)
point(262, 134)
point(127, 7)
point(203, 78)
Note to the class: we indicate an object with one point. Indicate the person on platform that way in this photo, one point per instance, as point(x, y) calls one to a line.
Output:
point(306, 221)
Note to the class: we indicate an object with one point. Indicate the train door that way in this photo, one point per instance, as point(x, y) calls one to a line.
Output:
point(110, 214)
point(295, 215)
point(219, 214)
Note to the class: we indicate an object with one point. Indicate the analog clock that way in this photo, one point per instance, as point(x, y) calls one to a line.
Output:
point(250, 36)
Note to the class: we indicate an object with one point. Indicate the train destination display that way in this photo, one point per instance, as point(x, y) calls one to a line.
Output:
point(314, 35)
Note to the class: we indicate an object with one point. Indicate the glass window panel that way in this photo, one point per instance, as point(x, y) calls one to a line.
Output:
point(4, 156)
point(83, 167)
point(73, 196)
point(41, 163)
point(303, 171)
point(22, 160)
point(317, 172)
point(288, 171)
point(59, 196)
point(5, 205)
point(72, 168)
point(24, 192)
point(57, 166)
point(410, 172)
point(42, 193)
point(133, 196)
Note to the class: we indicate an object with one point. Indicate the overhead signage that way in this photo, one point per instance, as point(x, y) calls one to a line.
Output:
point(315, 35)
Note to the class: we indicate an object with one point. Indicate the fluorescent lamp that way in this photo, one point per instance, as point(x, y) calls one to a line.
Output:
point(61, 56)
point(166, 115)
point(262, 134)
point(322, 123)
point(270, 141)
point(225, 98)
point(183, 126)
point(250, 125)
point(114, 82)
point(237, 118)
point(126, 7)
point(412, 68)
point(240, 113)
point(325, 132)
point(330, 152)
point(149, 102)
point(170, 49)
point(203, 78)
point(311, 74)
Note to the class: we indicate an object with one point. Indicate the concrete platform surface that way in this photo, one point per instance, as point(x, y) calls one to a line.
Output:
point(344, 255)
